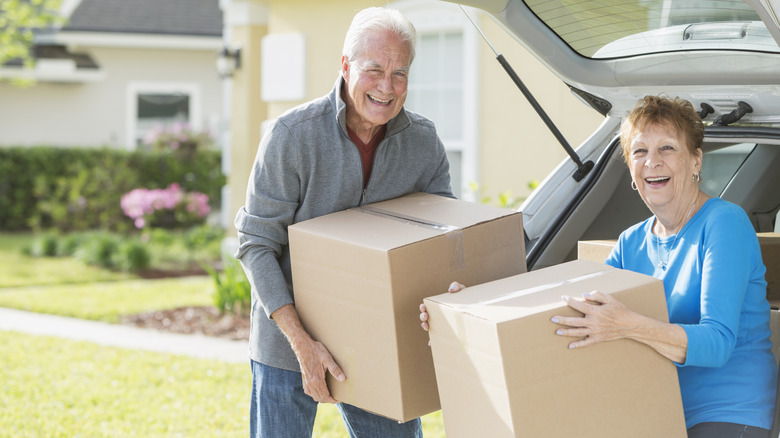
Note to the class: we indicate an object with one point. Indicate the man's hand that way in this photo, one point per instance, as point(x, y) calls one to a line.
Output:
point(315, 361)
point(313, 357)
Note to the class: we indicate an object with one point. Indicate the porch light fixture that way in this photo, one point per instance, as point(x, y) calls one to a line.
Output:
point(228, 61)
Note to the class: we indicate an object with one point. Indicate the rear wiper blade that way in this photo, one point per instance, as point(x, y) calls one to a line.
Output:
point(582, 168)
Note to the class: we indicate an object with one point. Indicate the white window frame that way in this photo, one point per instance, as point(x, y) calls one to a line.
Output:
point(433, 16)
point(191, 89)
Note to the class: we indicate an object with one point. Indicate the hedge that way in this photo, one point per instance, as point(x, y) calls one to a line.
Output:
point(73, 189)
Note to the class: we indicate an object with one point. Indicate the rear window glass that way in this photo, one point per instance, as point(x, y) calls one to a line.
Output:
point(719, 166)
point(621, 28)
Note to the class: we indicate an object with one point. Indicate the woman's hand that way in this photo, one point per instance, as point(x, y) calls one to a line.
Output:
point(454, 287)
point(604, 319)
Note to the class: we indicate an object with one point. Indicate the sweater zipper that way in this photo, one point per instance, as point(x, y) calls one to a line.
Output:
point(364, 192)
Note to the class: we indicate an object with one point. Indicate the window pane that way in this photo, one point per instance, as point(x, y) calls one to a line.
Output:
point(719, 166)
point(424, 67)
point(436, 82)
point(609, 28)
point(451, 58)
point(450, 121)
point(159, 109)
point(456, 175)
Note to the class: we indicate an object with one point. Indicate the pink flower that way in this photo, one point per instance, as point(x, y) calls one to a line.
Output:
point(142, 204)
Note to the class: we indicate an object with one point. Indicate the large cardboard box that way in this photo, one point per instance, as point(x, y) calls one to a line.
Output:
point(770, 251)
point(594, 250)
point(360, 276)
point(774, 325)
point(503, 372)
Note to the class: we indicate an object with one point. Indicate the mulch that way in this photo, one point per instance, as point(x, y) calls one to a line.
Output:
point(204, 320)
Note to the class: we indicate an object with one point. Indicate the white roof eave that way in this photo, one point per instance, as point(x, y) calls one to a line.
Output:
point(127, 40)
point(76, 76)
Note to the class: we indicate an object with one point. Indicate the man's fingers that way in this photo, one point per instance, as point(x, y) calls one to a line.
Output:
point(336, 371)
point(319, 392)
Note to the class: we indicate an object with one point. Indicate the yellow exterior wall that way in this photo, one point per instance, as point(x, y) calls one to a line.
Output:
point(248, 112)
point(324, 25)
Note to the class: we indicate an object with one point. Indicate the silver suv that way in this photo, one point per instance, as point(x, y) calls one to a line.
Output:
point(722, 55)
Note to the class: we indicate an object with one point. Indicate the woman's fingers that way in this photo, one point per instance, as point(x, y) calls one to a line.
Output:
point(424, 317)
point(455, 287)
point(571, 321)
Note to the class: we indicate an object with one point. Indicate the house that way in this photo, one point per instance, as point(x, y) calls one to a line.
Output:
point(115, 70)
point(119, 67)
point(492, 134)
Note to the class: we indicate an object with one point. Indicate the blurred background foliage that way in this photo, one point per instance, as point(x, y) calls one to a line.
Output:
point(76, 189)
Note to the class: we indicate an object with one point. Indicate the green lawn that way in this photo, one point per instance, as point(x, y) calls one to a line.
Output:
point(107, 301)
point(50, 387)
point(20, 270)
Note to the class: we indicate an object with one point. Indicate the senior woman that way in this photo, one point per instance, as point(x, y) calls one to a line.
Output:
point(706, 252)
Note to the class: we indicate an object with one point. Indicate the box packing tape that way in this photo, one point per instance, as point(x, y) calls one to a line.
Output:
point(454, 236)
point(460, 325)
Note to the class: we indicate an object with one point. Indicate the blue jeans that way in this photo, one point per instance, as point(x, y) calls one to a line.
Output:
point(281, 409)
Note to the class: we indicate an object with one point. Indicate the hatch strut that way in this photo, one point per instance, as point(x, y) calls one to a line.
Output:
point(582, 168)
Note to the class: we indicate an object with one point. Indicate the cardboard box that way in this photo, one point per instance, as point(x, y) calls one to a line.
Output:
point(503, 372)
point(360, 276)
point(770, 251)
point(594, 250)
point(598, 250)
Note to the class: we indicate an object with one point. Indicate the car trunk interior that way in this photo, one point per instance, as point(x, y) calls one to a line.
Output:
point(610, 205)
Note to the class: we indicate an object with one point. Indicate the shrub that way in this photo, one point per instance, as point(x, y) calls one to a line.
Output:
point(178, 138)
point(203, 237)
point(160, 236)
point(232, 289)
point(133, 256)
point(100, 249)
point(165, 249)
point(79, 189)
point(45, 246)
point(69, 244)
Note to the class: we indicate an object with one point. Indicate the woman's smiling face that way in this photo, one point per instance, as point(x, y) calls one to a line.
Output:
point(663, 167)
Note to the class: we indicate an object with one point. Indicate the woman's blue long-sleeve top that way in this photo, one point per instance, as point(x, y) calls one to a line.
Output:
point(715, 290)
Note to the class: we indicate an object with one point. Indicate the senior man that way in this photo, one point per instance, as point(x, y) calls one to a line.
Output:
point(353, 146)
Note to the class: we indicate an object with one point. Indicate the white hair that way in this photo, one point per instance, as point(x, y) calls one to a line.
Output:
point(376, 19)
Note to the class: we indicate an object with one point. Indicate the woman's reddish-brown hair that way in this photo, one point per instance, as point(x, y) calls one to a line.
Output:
point(675, 112)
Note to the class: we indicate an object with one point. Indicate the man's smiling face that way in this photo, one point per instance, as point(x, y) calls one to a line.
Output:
point(376, 81)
